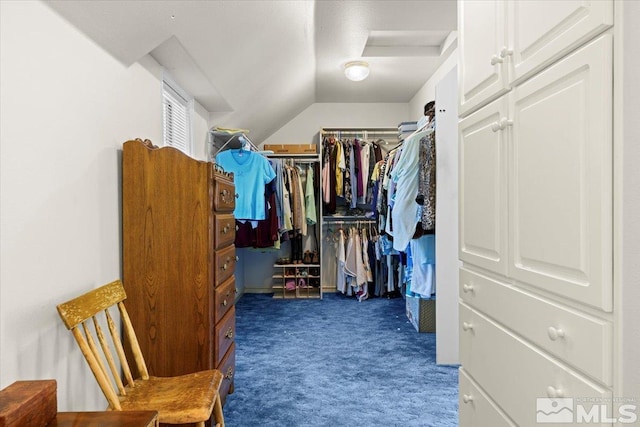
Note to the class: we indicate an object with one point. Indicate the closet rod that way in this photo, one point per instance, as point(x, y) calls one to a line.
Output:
point(348, 220)
point(358, 132)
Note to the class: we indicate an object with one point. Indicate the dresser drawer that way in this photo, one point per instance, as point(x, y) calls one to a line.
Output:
point(567, 334)
point(225, 334)
point(475, 408)
point(513, 373)
point(224, 263)
point(225, 296)
point(224, 230)
point(228, 369)
point(224, 196)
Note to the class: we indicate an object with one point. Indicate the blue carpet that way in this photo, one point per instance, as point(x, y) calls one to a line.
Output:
point(336, 362)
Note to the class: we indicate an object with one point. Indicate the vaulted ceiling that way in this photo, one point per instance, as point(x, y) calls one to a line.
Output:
point(257, 64)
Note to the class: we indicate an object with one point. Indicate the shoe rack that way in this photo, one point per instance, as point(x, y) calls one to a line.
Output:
point(294, 281)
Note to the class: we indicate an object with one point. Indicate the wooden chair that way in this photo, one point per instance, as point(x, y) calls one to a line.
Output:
point(183, 399)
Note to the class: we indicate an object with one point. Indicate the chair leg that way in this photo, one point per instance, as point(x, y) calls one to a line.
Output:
point(217, 412)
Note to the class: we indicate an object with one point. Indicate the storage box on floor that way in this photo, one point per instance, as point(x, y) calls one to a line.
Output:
point(421, 313)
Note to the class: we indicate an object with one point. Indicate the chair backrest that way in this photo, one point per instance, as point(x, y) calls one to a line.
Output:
point(83, 316)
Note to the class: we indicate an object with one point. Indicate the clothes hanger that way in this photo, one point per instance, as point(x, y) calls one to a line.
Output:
point(247, 145)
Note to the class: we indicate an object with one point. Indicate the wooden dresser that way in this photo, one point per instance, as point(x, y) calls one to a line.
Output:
point(179, 260)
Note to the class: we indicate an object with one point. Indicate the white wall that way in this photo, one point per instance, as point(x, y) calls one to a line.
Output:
point(200, 132)
point(629, 298)
point(428, 91)
point(66, 108)
point(304, 128)
point(447, 263)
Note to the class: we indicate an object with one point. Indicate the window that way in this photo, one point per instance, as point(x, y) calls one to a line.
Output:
point(177, 106)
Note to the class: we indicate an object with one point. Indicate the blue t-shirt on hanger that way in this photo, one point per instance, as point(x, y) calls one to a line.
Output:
point(251, 173)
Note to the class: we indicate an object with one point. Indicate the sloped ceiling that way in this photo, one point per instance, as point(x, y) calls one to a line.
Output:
point(257, 64)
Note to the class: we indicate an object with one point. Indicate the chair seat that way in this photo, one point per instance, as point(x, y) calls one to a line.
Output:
point(183, 399)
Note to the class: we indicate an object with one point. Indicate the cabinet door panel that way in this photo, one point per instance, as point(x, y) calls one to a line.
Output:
point(482, 36)
point(483, 189)
point(539, 34)
point(560, 192)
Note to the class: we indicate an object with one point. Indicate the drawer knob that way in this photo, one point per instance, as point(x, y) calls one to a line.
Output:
point(224, 193)
point(225, 230)
point(467, 398)
point(237, 196)
point(555, 333)
point(505, 52)
point(495, 59)
point(229, 333)
point(229, 374)
point(553, 392)
point(237, 258)
point(224, 303)
point(224, 266)
point(504, 122)
point(467, 288)
point(467, 326)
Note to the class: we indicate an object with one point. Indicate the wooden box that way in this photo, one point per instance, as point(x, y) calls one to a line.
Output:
point(28, 403)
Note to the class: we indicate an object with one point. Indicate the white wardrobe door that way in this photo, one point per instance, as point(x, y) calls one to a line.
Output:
point(560, 195)
point(483, 188)
point(540, 32)
point(482, 36)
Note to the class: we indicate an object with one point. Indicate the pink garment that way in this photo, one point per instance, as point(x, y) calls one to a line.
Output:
point(341, 281)
point(326, 187)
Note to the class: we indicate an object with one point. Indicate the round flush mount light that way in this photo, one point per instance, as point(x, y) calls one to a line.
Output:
point(356, 70)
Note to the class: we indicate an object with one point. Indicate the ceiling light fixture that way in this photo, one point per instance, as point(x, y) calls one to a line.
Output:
point(356, 70)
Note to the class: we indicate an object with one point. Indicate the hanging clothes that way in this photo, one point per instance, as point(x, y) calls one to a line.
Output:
point(287, 211)
point(423, 271)
point(326, 181)
point(366, 170)
point(357, 169)
point(340, 168)
point(426, 197)
point(348, 171)
point(405, 176)
point(300, 215)
point(251, 173)
point(310, 197)
point(276, 164)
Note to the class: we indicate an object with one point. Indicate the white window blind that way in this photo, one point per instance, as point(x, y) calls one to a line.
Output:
point(176, 112)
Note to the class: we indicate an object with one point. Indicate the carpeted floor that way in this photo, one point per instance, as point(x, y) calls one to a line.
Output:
point(336, 362)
